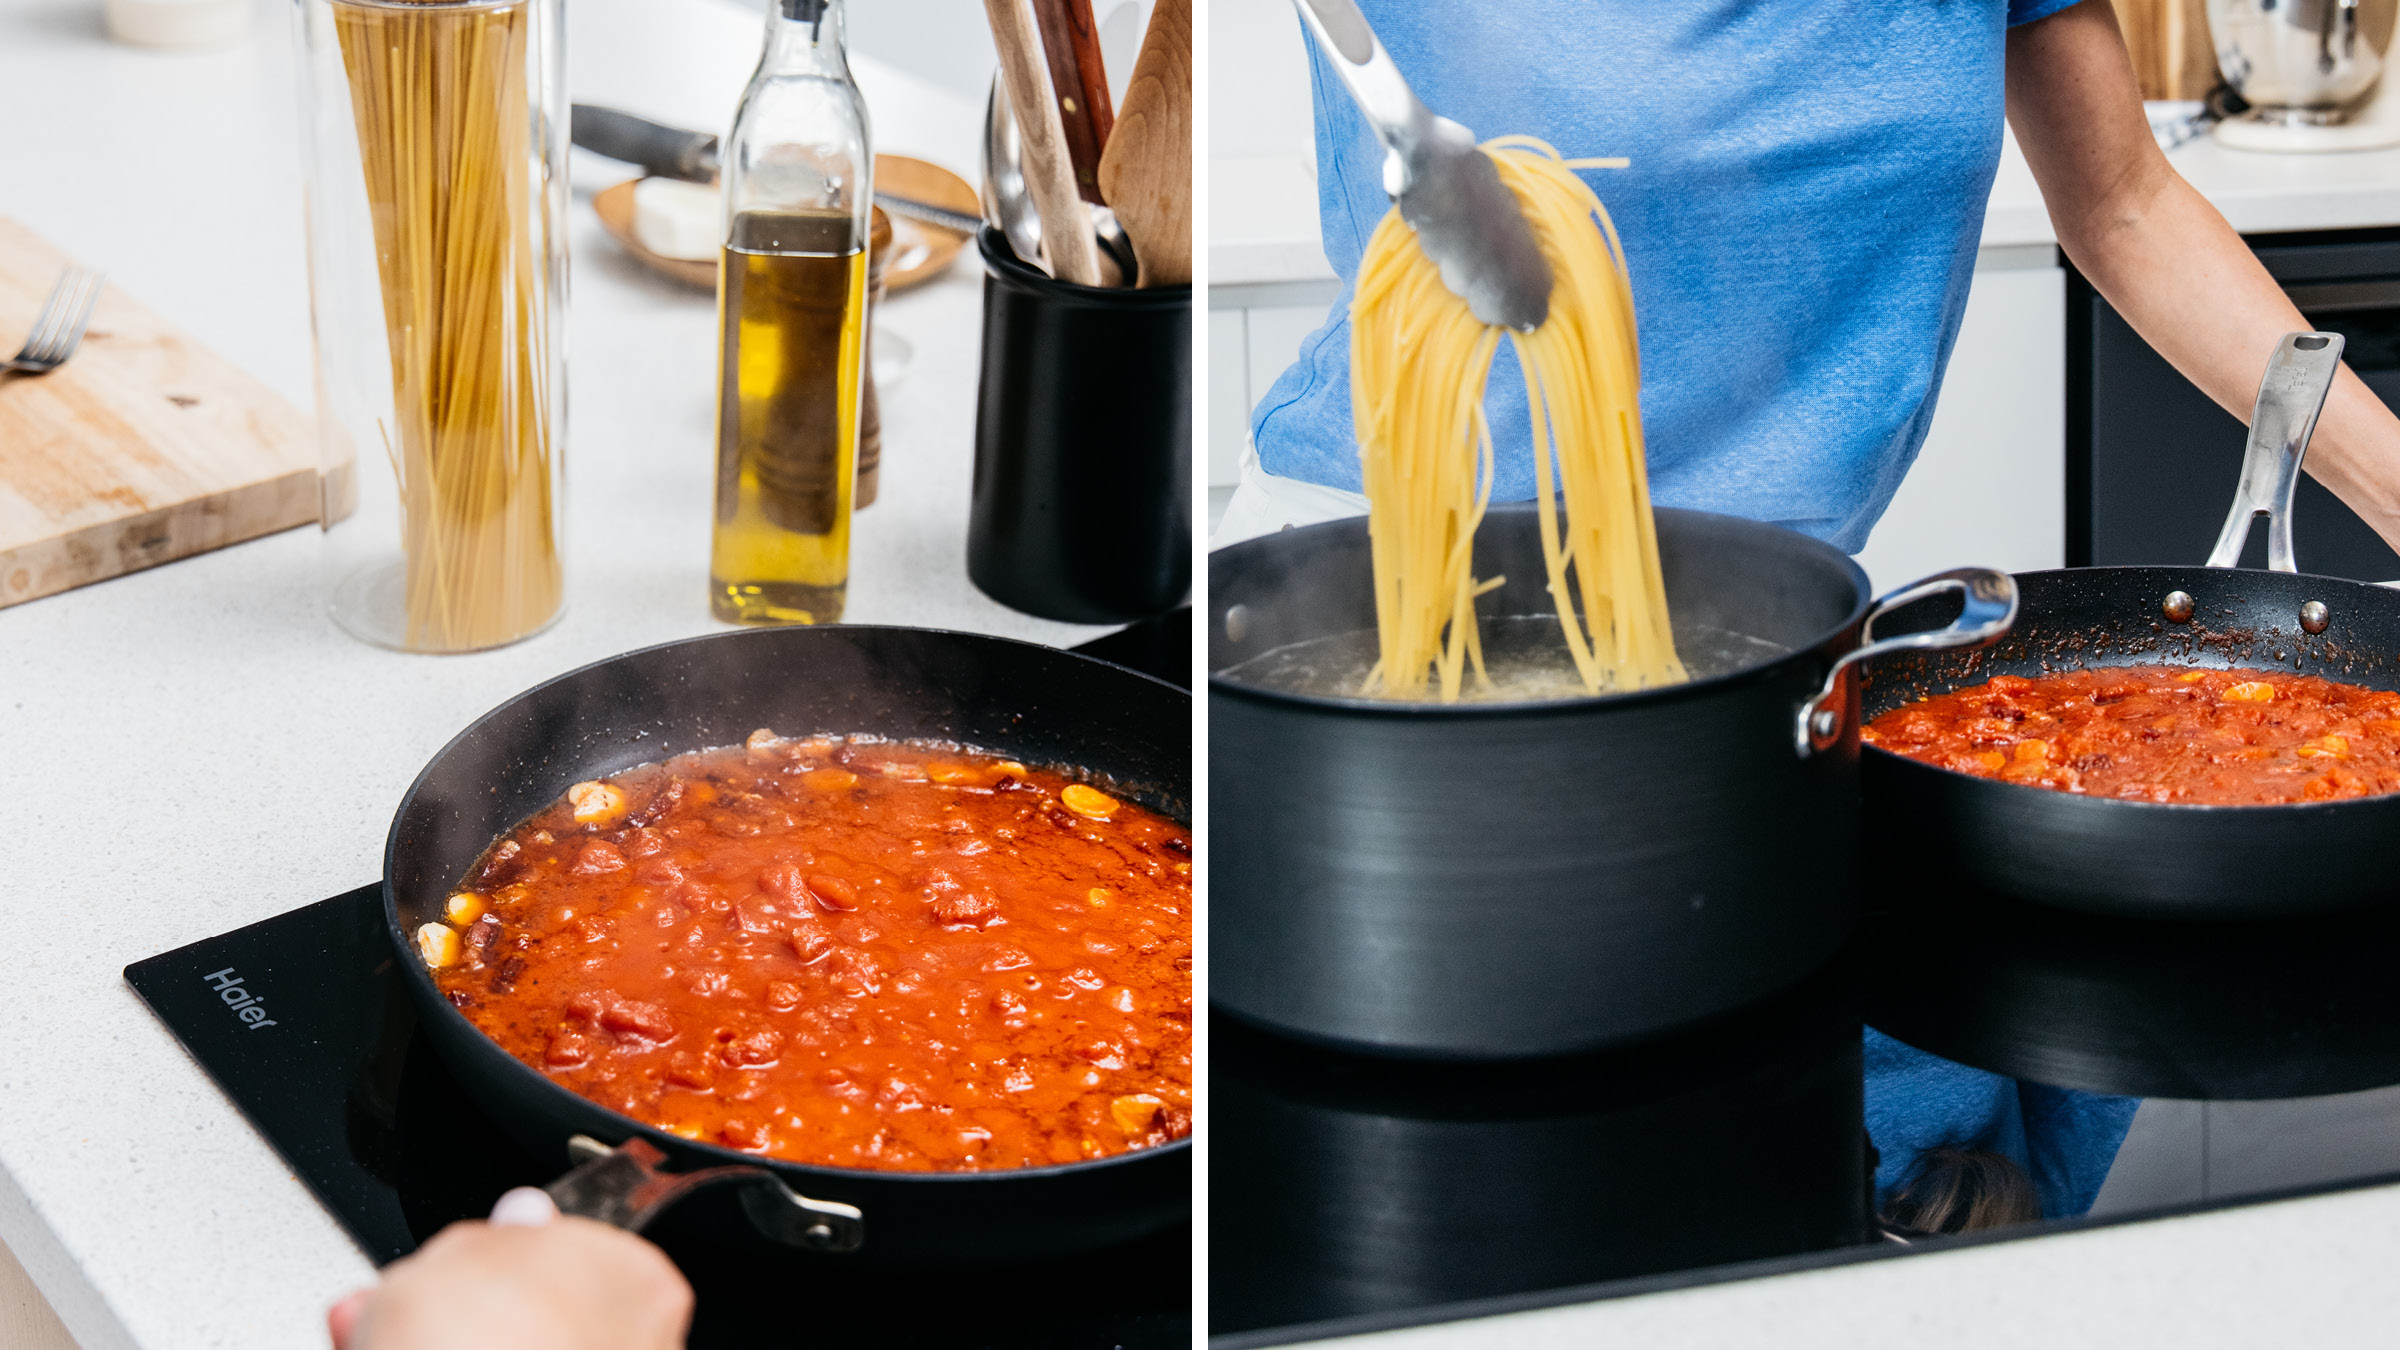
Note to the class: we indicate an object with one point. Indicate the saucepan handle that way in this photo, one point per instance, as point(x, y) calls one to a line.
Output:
point(1990, 610)
point(626, 1188)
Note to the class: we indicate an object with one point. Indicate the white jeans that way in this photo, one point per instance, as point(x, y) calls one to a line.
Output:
point(1263, 503)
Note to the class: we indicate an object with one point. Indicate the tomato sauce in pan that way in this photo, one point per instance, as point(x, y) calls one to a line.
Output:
point(2161, 734)
point(843, 951)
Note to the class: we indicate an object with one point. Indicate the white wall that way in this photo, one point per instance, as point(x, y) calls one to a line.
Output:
point(949, 42)
point(945, 42)
point(1258, 81)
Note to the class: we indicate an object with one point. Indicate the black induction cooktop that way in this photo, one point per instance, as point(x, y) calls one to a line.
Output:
point(300, 1019)
point(1374, 1194)
point(333, 1071)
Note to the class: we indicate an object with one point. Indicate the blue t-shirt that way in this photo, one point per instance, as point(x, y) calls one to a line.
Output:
point(2065, 1140)
point(1800, 221)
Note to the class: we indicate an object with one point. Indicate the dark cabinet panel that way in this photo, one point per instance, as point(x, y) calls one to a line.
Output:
point(2151, 462)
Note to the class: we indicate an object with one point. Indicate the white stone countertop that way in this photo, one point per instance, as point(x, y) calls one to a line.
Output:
point(2314, 1272)
point(194, 748)
point(1262, 214)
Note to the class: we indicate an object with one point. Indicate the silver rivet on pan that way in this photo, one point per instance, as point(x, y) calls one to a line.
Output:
point(1237, 623)
point(2314, 616)
point(2178, 607)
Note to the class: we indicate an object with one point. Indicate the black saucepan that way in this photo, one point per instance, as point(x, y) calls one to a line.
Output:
point(2153, 859)
point(1032, 703)
point(1502, 880)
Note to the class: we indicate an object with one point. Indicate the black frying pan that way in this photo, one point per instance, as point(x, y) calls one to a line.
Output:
point(2142, 858)
point(1036, 704)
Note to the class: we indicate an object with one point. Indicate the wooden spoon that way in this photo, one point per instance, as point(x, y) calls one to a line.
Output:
point(1146, 171)
point(1042, 146)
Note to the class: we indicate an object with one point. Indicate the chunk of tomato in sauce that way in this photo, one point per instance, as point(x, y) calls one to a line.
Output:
point(850, 952)
point(2161, 734)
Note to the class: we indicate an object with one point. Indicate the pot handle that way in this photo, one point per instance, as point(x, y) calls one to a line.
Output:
point(625, 1187)
point(1989, 612)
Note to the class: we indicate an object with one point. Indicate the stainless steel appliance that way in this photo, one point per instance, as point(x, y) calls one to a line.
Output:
point(2311, 71)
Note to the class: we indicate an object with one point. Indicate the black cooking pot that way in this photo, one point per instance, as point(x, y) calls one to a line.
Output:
point(1036, 704)
point(1482, 880)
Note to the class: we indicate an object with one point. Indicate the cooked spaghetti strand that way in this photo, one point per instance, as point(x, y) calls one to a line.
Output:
point(1419, 366)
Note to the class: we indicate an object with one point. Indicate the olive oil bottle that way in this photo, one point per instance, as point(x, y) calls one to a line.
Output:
point(791, 304)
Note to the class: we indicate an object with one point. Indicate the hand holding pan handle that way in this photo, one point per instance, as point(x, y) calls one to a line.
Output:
point(624, 1188)
point(1989, 612)
point(2290, 395)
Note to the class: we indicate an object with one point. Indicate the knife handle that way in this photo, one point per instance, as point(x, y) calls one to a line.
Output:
point(1071, 50)
point(662, 150)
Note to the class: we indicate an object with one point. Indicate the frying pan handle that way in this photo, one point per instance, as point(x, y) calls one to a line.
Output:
point(2290, 395)
point(625, 1187)
point(1989, 611)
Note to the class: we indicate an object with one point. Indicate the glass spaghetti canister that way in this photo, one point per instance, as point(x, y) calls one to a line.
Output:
point(436, 143)
point(792, 309)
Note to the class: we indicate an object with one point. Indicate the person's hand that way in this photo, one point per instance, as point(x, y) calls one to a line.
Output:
point(527, 1280)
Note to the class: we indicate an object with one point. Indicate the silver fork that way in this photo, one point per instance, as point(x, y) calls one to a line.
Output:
point(58, 329)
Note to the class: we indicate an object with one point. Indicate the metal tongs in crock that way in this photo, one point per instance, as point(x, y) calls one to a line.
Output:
point(1467, 222)
point(2290, 395)
point(625, 1187)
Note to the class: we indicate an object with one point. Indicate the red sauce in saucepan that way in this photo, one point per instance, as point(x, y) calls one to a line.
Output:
point(2161, 734)
point(843, 951)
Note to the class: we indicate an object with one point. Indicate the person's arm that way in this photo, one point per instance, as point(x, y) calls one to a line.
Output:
point(2164, 257)
point(527, 1280)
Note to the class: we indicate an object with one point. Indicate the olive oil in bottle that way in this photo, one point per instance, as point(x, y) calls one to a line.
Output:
point(791, 310)
point(793, 301)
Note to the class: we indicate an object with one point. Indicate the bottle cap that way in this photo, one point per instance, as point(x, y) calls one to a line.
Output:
point(804, 11)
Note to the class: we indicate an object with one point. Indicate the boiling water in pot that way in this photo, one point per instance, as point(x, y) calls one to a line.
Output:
point(1525, 654)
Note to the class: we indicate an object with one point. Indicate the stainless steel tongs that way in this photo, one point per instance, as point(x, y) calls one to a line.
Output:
point(1447, 189)
point(2290, 395)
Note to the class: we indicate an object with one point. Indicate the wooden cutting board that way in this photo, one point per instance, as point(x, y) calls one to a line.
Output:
point(145, 448)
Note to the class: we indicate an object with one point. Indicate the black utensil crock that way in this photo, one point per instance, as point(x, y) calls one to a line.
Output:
point(1082, 506)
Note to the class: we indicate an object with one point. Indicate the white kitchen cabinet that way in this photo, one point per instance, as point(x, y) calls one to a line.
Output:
point(1989, 487)
point(1228, 395)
